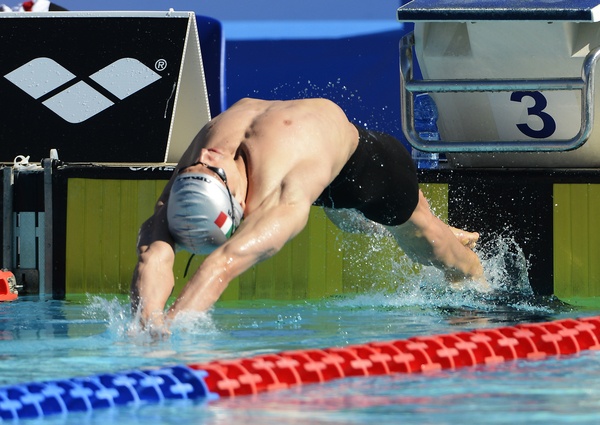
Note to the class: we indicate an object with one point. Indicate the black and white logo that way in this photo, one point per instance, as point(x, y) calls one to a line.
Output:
point(80, 101)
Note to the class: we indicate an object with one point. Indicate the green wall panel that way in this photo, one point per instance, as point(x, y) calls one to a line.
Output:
point(103, 218)
point(576, 240)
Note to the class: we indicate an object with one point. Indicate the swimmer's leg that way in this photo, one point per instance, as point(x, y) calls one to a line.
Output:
point(429, 241)
point(424, 238)
point(352, 221)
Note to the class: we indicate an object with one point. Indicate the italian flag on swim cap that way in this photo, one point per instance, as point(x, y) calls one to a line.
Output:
point(225, 223)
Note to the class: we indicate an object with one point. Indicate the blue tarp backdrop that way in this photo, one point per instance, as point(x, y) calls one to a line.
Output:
point(359, 73)
point(250, 10)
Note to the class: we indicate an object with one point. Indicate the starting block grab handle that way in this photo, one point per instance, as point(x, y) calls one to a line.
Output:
point(409, 86)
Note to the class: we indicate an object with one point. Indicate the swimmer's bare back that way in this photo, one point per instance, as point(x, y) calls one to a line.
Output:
point(304, 142)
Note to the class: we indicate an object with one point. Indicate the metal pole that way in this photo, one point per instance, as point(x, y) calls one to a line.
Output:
point(7, 219)
point(46, 287)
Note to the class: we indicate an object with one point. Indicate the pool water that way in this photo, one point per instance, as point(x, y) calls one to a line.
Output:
point(86, 335)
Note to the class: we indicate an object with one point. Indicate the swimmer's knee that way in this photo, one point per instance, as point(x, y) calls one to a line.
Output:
point(422, 202)
point(352, 221)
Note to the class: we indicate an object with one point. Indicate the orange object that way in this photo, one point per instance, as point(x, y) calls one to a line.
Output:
point(8, 286)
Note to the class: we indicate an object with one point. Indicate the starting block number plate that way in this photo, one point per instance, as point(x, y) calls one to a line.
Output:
point(524, 115)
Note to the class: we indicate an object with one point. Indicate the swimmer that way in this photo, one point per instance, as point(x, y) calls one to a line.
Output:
point(244, 188)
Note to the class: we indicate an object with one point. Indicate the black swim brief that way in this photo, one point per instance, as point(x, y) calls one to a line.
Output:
point(379, 180)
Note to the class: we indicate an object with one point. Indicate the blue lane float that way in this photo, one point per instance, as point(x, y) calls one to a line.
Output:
point(37, 400)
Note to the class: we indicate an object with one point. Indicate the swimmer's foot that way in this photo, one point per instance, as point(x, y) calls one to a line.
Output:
point(460, 282)
point(468, 239)
point(481, 286)
point(472, 278)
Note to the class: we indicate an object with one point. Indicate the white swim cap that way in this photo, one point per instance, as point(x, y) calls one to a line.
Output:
point(201, 212)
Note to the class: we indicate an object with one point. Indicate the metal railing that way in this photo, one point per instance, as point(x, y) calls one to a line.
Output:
point(409, 86)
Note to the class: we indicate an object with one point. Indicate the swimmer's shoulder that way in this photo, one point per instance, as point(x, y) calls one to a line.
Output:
point(249, 102)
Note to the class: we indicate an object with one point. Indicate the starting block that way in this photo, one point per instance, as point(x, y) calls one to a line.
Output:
point(514, 83)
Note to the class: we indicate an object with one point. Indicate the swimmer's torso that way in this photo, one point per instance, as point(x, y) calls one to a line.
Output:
point(303, 143)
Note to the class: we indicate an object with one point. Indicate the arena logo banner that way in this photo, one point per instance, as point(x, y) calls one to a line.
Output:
point(81, 101)
point(112, 87)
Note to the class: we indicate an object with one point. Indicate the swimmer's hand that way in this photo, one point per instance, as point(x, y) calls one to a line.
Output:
point(161, 332)
point(155, 325)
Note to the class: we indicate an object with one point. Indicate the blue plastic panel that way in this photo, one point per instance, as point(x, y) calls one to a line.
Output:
point(498, 10)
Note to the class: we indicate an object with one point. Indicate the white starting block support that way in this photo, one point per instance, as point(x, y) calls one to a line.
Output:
point(513, 82)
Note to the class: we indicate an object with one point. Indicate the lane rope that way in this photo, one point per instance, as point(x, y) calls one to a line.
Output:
point(269, 372)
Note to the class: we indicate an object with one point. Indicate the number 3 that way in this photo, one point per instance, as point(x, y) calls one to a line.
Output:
point(540, 102)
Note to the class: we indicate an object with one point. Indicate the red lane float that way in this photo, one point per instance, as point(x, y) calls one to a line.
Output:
point(8, 286)
point(230, 378)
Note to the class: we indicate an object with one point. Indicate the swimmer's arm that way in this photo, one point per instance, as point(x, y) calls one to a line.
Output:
point(261, 235)
point(153, 279)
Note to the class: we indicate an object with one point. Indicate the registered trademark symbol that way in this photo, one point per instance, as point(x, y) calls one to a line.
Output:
point(160, 65)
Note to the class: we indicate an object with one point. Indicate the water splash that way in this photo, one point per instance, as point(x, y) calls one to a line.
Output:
point(348, 98)
point(123, 325)
point(413, 286)
point(506, 267)
point(194, 323)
